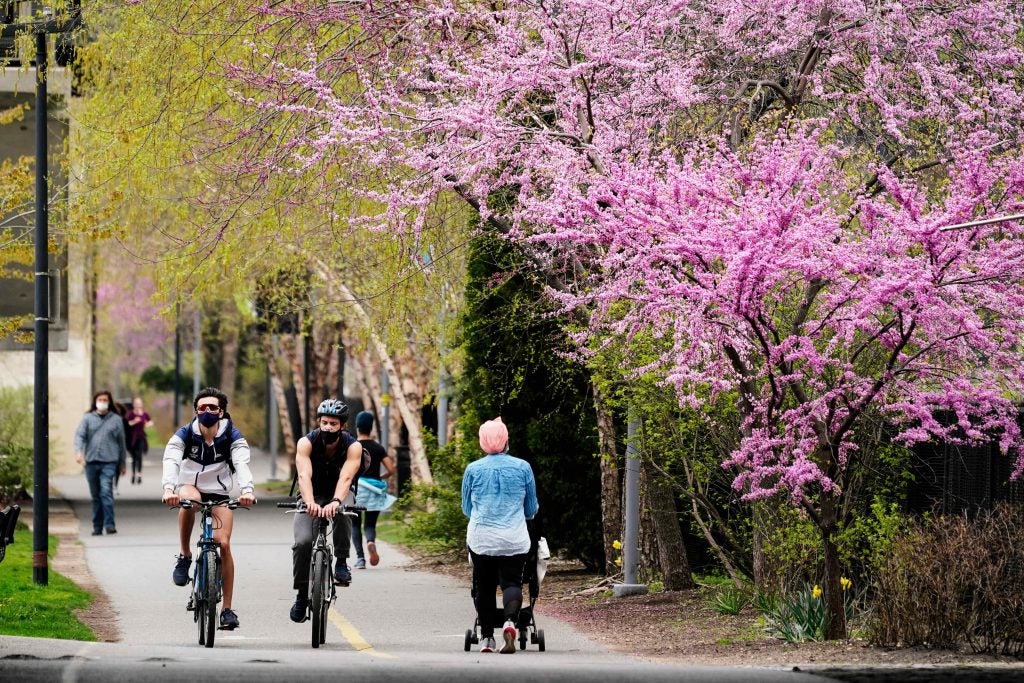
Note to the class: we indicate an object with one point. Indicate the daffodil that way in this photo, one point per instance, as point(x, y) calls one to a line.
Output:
point(617, 545)
point(618, 561)
point(816, 591)
point(845, 583)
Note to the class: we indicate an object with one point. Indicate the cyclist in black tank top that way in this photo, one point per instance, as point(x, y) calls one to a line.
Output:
point(378, 458)
point(327, 461)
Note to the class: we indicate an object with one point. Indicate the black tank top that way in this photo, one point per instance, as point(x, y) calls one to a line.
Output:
point(327, 471)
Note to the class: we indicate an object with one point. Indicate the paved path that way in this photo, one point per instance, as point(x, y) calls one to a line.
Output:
point(392, 623)
point(389, 610)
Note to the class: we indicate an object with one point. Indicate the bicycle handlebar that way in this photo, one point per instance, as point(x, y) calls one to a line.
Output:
point(300, 506)
point(231, 504)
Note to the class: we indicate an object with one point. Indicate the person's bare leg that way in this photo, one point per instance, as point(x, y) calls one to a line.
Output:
point(187, 519)
point(227, 562)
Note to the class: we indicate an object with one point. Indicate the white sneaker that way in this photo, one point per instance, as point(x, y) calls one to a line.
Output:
point(509, 634)
point(488, 645)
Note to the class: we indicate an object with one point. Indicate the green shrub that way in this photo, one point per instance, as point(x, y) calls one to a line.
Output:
point(15, 441)
point(432, 514)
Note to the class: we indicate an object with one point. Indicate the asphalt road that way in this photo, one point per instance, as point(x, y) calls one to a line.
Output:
point(393, 622)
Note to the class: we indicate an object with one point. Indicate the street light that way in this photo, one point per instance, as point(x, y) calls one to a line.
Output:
point(41, 398)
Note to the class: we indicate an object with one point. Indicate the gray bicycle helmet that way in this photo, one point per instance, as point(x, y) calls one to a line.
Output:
point(333, 407)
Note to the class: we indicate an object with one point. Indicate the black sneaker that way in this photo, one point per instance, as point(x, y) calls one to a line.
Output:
point(298, 613)
point(181, 570)
point(97, 532)
point(228, 619)
point(111, 530)
point(342, 575)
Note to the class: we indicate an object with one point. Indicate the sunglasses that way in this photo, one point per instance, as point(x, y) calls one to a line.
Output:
point(208, 408)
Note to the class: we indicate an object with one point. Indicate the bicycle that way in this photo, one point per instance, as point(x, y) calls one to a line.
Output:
point(206, 576)
point(322, 592)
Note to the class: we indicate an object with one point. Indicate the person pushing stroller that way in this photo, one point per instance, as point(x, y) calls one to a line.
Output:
point(499, 494)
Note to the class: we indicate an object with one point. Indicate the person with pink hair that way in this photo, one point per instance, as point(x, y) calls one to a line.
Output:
point(499, 494)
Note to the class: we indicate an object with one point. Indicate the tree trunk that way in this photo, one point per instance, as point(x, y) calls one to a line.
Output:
point(671, 551)
point(409, 413)
point(757, 547)
point(611, 490)
point(834, 607)
point(229, 361)
point(277, 386)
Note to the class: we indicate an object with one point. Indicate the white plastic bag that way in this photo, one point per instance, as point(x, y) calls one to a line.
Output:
point(543, 555)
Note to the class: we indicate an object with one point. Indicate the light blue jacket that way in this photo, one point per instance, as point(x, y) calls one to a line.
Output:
point(499, 494)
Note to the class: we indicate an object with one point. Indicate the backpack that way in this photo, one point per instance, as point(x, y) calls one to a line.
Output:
point(189, 436)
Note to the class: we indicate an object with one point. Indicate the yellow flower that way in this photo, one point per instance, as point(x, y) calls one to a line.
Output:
point(816, 591)
point(618, 561)
point(617, 545)
point(845, 583)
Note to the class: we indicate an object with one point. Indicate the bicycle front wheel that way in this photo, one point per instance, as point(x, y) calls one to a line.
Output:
point(317, 597)
point(211, 596)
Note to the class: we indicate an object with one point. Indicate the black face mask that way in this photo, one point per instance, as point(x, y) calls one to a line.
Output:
point(329, 437)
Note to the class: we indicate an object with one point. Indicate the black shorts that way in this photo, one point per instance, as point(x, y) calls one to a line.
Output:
point(214, 497)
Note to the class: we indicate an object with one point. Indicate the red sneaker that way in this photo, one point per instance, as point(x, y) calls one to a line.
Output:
point(509, 634)
point(371, 547)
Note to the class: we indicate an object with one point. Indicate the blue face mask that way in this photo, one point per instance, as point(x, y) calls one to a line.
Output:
point(208, 419)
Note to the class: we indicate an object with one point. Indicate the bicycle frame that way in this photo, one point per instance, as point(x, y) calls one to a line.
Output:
point(321, 591)
point(207, 584)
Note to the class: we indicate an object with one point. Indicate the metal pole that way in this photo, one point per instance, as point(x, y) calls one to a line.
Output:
point(631, 543)
point(41, 420)
point(177, 366)
point(271, 426)
point(197, 350)
point(385, 399)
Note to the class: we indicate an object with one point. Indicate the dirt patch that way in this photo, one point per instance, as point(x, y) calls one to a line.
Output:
point(681, 627)
point(70, 562)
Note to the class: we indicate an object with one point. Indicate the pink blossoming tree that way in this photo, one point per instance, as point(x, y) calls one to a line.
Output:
point(762, 187)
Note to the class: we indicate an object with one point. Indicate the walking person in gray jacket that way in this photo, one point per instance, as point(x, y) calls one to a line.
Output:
point(100, 444)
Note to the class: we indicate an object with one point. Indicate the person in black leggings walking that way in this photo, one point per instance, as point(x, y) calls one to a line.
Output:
point(372, 492)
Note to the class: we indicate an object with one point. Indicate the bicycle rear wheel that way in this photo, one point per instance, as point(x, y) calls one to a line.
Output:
point(317, 596)
point(211, 595)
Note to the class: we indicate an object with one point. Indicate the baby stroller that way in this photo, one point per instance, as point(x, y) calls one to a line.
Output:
point(533, 576)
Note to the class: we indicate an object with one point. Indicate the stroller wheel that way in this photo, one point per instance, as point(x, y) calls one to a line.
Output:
point(522, 640)
point(540, 640)
point(469, 639)
point(533, 638)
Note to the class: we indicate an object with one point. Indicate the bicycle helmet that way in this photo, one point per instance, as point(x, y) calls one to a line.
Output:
point(333, 407)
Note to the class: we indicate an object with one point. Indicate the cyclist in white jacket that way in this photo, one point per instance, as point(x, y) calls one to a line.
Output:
point(201, 462)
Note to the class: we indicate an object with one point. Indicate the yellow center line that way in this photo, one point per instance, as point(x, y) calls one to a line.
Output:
point(353, 636)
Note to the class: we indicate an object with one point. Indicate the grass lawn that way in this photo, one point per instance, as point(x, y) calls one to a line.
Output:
point(38, 611)
point(390, 530)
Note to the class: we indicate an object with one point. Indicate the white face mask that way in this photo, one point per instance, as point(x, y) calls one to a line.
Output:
point(102, 406)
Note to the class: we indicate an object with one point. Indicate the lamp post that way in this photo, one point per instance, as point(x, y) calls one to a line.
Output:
point(43, 317)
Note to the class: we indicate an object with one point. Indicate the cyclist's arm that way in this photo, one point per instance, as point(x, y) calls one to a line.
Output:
point(304, 473)
point(173, 454)
point(353, 463)
point(240, 457)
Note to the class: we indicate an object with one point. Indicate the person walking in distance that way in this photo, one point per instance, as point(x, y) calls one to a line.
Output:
point(138, 421)
point(499, 494)
point(327, 461)
point(371, 493)
point(100, 445)
point(201, 462)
